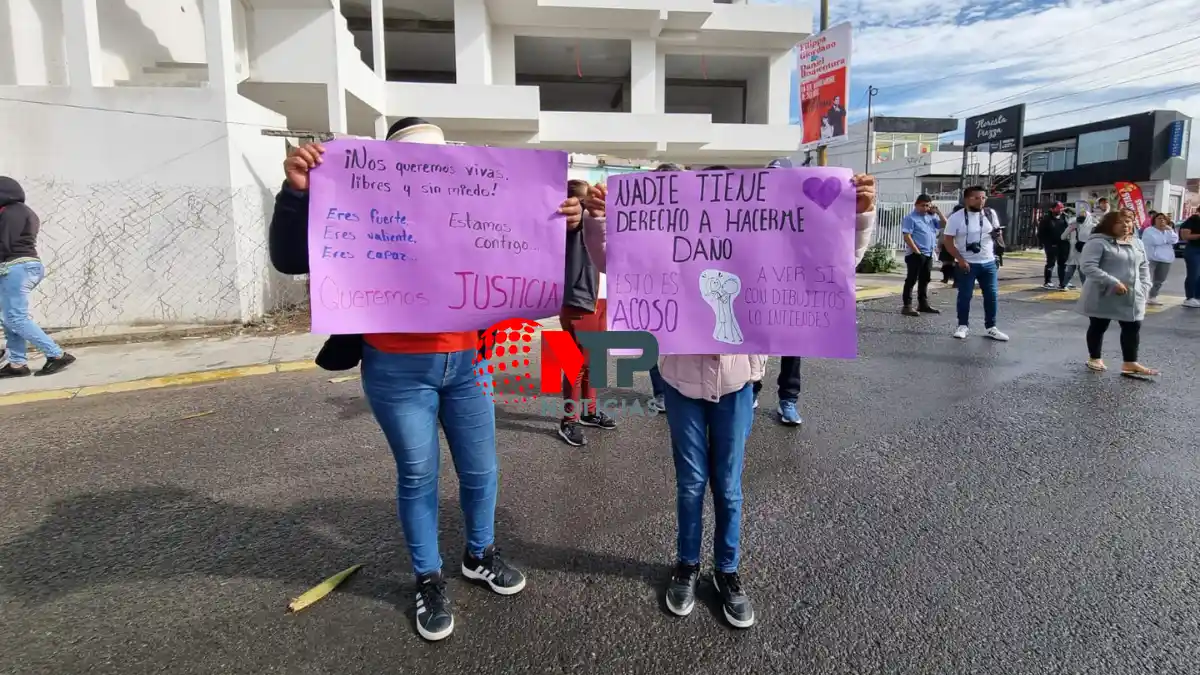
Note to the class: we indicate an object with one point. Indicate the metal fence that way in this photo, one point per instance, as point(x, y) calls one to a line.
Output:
point(889, 216)
point(129, 253)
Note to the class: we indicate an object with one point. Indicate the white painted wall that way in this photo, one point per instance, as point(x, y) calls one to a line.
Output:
point(135, 34)
point(31, 43)
point(172, 232)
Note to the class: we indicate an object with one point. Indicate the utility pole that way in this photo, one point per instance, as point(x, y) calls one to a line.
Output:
point(821, 158)
point(871, 92)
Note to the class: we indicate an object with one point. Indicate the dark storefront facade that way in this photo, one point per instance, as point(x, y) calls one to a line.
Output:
point(1082, 163)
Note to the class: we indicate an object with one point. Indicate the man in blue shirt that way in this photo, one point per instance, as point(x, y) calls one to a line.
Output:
point(920, 230)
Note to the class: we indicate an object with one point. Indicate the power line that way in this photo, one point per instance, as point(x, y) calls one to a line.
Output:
point(1151, 94)
point(1108, 85)
point(908, 86)
point(1120, 61)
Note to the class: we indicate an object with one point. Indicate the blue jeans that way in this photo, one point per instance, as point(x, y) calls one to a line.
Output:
point(989, 282)
point(19, 328)
point(1191, 283)
point(409, 393)
point(708, 441)
point(656, 382)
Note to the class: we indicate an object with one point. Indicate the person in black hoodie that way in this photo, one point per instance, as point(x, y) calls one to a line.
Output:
point(20, 272)
point(413, 381)
point(1050, 235)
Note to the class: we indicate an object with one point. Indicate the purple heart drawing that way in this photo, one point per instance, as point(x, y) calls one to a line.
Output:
point(823, 192)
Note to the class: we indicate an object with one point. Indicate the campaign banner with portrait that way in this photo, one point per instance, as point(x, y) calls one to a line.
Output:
point(823, 67)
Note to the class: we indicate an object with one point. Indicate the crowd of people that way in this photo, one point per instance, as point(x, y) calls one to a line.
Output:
point(413, 382)
point(1122, 269)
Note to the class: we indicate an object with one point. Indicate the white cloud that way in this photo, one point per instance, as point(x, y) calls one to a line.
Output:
point(1070, 61)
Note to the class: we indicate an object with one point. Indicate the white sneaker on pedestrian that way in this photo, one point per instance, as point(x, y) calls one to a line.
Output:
point(961, 332)
point(1154, 302)
point(1049, 286)
point(995, 334)
point(1193, 303)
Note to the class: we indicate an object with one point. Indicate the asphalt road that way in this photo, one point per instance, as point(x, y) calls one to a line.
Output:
point(948, 507)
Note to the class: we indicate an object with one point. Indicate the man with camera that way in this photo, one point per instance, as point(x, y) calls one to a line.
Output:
point(920, 230)
point(971, 236)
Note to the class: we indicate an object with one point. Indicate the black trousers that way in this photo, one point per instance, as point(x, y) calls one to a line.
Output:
point(789, 379)
point(1056, 257)
point(1131, 337)
point(920, 267)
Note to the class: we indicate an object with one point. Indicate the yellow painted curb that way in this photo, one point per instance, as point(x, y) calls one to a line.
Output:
point(875, 293)
point(181, 379)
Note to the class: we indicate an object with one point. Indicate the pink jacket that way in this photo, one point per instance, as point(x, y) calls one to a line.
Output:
point(709, 377)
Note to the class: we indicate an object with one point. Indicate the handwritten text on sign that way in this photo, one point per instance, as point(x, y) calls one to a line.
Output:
point(429, 238)
point(735, 262)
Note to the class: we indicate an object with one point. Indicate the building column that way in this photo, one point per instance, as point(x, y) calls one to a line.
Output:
point(779, 99)
point(381, 127)
point(378, 42)
point(504, 58)
point(219, 48)
point(646, 77)
point(81, 32)
point(472, 42)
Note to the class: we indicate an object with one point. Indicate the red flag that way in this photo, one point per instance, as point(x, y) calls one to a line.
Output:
point(1129, 196)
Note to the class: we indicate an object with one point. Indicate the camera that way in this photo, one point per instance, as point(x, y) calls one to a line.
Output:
point(974, 247)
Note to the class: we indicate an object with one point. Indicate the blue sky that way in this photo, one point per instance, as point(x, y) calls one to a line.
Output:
point(1070, 61)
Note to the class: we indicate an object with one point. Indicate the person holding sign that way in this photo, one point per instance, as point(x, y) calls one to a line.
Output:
point(583, 310)
point(710, 409)
point(412, 381)
point(970, 236)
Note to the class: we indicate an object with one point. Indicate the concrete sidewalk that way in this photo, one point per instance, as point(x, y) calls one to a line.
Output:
point(130, 367)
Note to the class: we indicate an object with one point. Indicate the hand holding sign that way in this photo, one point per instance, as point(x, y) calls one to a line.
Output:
point(597, 194)
point(864, 191)
point(300, 161)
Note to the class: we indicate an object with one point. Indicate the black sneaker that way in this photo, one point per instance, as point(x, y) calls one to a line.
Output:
point(928, 309)
point(739, 611)
point(598, 420)
point(52, 366)
point(681, 592)
point(9, 370)
point(909, 311)
point(571, 433)
point(491, 569)
point(434, 620)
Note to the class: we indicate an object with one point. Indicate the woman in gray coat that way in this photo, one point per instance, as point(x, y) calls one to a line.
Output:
point(1117, 286)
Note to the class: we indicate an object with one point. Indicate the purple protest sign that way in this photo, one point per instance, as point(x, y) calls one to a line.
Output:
point(410, 238)
point(735, 262)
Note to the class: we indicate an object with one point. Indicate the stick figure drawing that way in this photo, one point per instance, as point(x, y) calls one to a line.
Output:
point(720, 289)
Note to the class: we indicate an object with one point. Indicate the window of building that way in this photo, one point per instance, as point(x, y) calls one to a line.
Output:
point(940, 189)
point(1109, 145)
point(898, 146)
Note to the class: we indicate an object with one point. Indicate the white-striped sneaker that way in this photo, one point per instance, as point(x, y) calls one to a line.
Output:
point(434, 620)
point(491, 569)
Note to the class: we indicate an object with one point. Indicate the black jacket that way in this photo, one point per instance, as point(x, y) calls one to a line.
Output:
point(18, 223)
point(287, 241)
point(1051, 229)
point(582, 280)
